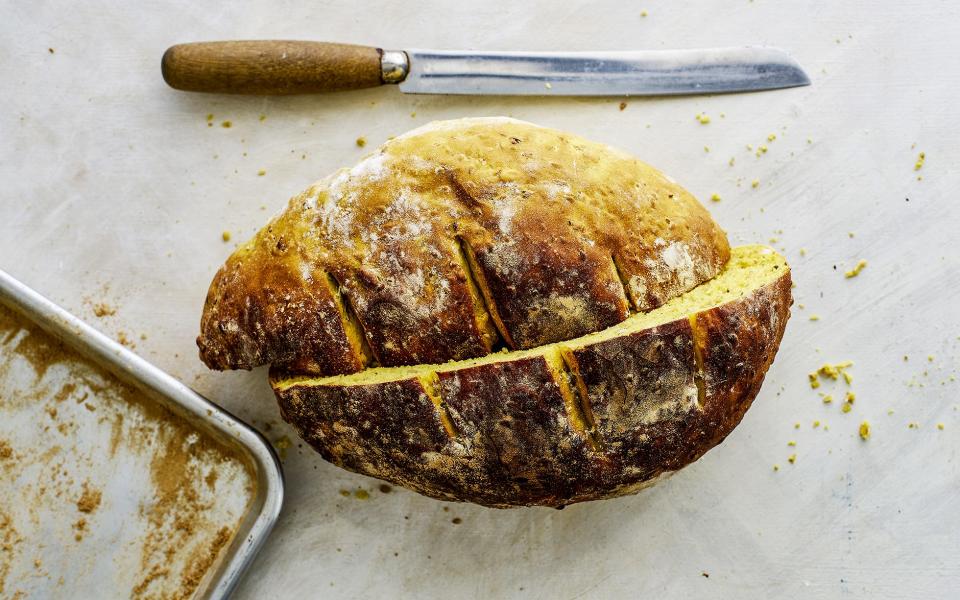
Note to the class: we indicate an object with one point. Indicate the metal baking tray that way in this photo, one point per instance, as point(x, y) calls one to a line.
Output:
point(262, 473)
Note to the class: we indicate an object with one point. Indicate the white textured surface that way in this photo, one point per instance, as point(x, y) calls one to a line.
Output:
point(113, 188)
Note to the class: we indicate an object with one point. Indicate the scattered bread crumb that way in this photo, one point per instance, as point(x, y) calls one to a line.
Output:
point(703, 118)
point(102, 309)
point(263, 118)
point(814, 317)
point(913, 425)
point(776, 467)
point(226, 124)
point(827, 399)
point(261, 173)
point(362, 494)
point(796, 425)
point(865, 431)
point(792, 443)
point(920, 160)
point(755, 183)
point(816, 424)
point(845, 408)
point(623, 105)
point(361, 141)
point(731, 161)
point(792, 459)
point(226, 236)
point(771, 137)
point(861, 265)
point(715, 197)
point(283, 444)
point(643, 13)
point(940, 426)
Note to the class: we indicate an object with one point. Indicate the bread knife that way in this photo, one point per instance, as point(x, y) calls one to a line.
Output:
point(270, 67)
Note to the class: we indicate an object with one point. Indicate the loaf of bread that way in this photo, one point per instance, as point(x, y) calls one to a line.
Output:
point(490, 311)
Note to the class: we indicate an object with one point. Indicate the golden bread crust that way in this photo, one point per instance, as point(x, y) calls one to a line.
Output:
point(565, 236)
point(506, 434)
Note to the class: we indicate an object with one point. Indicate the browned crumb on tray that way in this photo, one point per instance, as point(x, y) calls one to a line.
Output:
point(6, 451)
point(89, 500)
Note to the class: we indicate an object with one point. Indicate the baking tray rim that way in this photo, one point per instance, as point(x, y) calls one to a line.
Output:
point(138, 372)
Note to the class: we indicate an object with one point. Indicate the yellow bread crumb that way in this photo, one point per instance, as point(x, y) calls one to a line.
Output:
point(362, 494)
point(792, 459)
point(226, 236)
point(847, 377)
point(755, 183)
point(796, 425)
point(814, 382)
point(771, 137)
point(845, 408)
point(715, 197)
point(226, 124)
point(814, 317)
point(913, 425)
point(643, 13)
point(827, 399)
point(816, 424)
point(889, 411)
point(706, 148)
point(361, 141)
point(930, 357)
point(263, 117)
point(940, 426)
point(791, 443)
point(803, 251)
point(776, 467)
point(920, 160)
point(861, 264)
point(731, 161)
point(851, 397)
point(209, 117)
point(703, 118)
point(261, 173)
point(865, 431)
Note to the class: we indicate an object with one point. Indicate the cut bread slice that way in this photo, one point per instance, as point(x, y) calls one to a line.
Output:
point(594, 417)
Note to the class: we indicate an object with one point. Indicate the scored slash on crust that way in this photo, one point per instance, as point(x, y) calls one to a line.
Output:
point(595, 417)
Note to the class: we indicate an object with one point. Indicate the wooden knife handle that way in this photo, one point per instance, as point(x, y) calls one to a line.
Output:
point(271, 67)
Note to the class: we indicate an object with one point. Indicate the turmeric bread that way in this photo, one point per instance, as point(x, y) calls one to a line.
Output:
point(454, 240)
point(485, 310)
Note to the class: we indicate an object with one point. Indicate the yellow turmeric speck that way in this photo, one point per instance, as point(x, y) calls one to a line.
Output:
point(361, 141)
point(771, 137)
point(703, 118)
point(792, 459)
point(791, 443)
point(861, 264)
point(851, 397)
point(845, 408)
point(940, 426)
point(814, 317)
point(816, 424)
point(814, 382)
point(755, 183)
point(715, 198)
point(920, 160)
point(865, 431)
point(226, 236)
point(226, 124)
point(827, 399)
point(261, 173)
